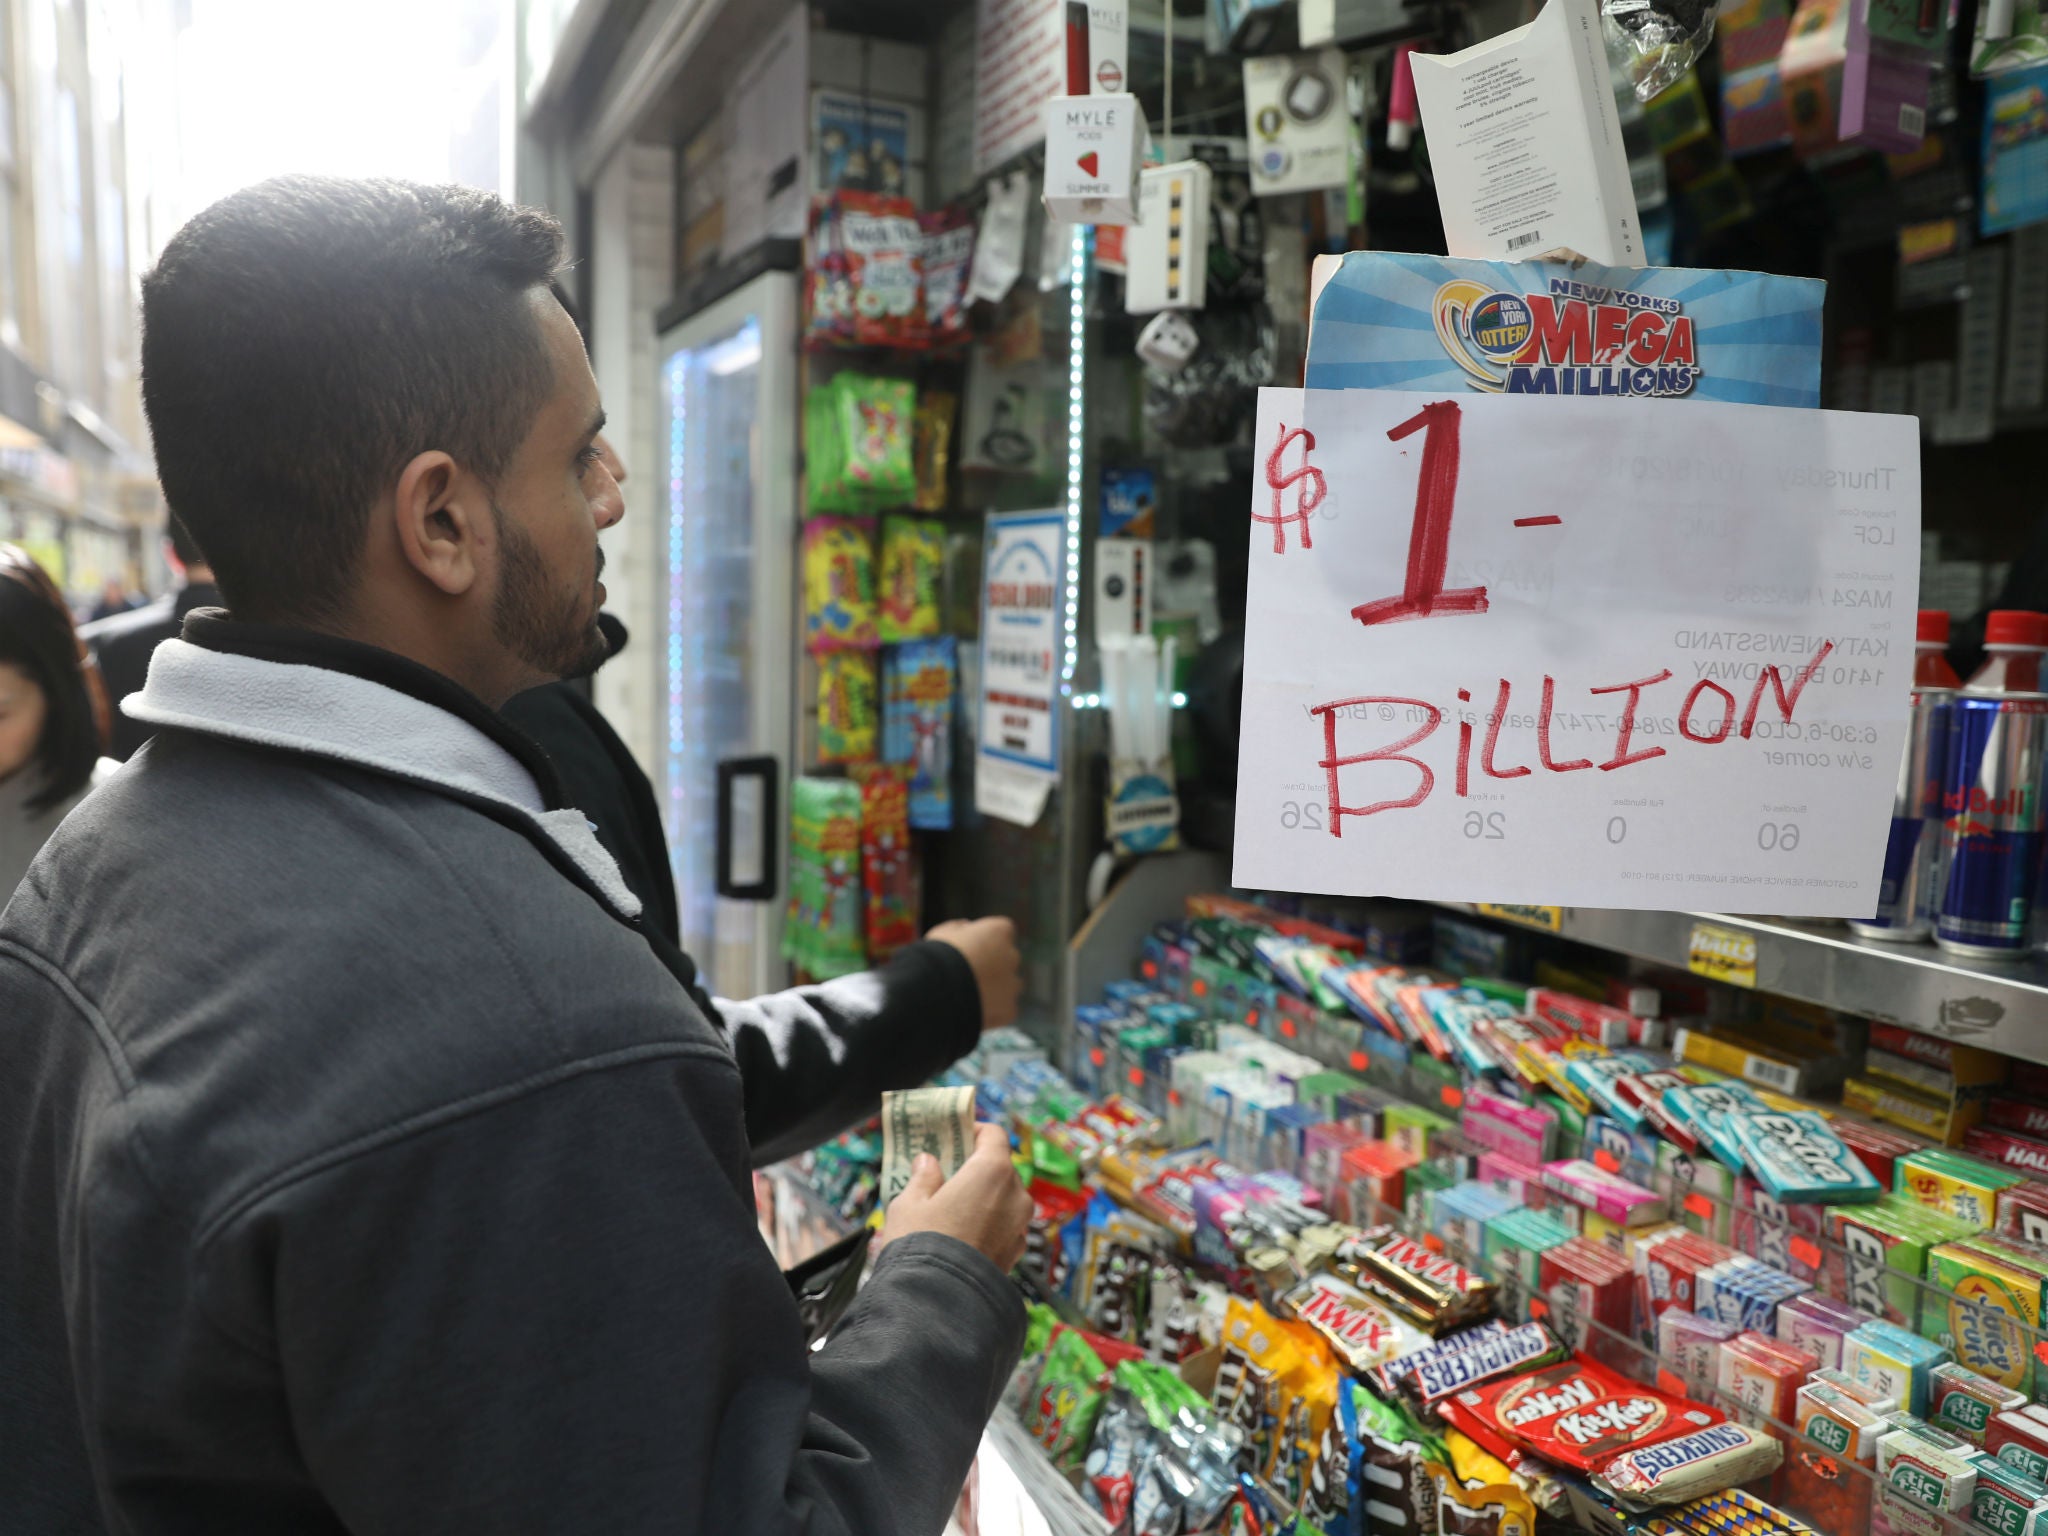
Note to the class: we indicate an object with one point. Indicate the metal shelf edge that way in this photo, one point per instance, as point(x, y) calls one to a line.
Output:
point(2001, 1006)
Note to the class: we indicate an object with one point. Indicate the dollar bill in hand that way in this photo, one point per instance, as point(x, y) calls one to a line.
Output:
point(935, 1120)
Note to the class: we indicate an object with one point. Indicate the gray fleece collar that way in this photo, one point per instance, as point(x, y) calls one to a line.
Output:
point(348, 719)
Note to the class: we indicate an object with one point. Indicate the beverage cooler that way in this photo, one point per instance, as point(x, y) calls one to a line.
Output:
point(728, 401)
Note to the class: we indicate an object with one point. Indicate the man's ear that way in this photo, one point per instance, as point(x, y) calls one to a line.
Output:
point(440, 513)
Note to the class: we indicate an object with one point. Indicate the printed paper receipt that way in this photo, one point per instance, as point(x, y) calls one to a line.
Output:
point(935, 1120)
point(1507, 649)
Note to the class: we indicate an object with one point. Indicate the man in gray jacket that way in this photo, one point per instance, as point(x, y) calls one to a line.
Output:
point(365, 1165)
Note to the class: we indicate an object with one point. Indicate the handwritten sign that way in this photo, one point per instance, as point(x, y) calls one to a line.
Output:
point(1511, 649)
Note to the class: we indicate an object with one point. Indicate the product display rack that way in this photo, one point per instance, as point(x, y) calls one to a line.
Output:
point(1999, 1005)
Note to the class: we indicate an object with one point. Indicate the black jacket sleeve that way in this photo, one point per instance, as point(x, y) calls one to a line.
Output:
point(815, 1060)
point(553, 1312)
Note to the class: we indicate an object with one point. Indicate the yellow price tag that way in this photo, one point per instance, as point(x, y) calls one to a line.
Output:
point(1722, 954)
point(1549, 919)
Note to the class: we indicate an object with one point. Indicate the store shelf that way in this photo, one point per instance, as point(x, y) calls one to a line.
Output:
point(2001, 1005)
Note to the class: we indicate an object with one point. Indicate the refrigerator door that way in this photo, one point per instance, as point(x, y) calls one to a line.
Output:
point(728, 397)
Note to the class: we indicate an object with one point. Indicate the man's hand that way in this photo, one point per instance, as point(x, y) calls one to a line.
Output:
point(990, 945)
point(983, 1204)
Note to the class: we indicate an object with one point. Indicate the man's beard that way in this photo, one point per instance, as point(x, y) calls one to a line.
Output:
point(551, 632)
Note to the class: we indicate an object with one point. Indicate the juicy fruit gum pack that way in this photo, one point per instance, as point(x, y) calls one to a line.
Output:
point(1388, 320)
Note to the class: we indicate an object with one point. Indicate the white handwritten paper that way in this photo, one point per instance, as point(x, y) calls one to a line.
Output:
point(1510, 649)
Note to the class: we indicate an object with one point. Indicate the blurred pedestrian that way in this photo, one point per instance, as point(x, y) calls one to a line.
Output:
point(123, 644)
point(53, 714)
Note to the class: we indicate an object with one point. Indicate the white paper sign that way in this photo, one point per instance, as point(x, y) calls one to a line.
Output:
point(1017, 723)
point(1019, 60)
point(1510, 649)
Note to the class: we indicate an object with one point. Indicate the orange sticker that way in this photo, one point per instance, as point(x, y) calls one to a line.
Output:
point(1432, 1242)
point(1805, 1251)
point(1606, 1161)
point(1539, 1309)
point(1453, 1097)
point(1173, 1097)
point(2041, 1351)
point(1097, 1057)
point(1699, 1205)
point(1359, 1062)
point(1137, 1077)
point(1201, 987)
point(1287, 1028)
point(1251, 1019)
point(1149, 970)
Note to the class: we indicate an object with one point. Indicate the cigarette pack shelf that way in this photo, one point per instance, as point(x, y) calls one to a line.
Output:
point(1328, 1242)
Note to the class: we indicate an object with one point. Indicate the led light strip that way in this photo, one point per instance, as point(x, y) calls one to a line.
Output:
point(1077, 327)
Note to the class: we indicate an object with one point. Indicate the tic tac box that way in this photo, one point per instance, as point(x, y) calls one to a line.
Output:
point(1388, 320)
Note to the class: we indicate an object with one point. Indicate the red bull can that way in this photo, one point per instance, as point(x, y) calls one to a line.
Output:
point(1906, 899)
point(1992, 821)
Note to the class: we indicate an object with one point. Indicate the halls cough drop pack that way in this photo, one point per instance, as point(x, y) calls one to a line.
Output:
point(1388, 320)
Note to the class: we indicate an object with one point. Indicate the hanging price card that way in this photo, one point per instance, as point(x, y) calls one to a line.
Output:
point(1512, 649)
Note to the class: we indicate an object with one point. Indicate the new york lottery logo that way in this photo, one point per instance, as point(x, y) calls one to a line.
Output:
point(1576, 339)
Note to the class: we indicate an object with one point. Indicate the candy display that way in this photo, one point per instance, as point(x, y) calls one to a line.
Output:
point(888, 877)
point(823, 930)
point(918, 679)
point(867, 272)
point(839, 585)
point(913, 557)
point(860, 435)
point(847, 707)
point(1352, 1292)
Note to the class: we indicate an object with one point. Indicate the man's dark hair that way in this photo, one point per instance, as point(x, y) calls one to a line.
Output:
point(304, 338)
point(37, 636)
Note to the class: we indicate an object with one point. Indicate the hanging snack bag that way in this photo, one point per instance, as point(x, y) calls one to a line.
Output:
point(913, 557)
point(881, 270)
point(948, 251)
point(847, 714)
point(932, 446)
point(888, 871)
point(873, 424)
point(823, 933)
point(839, 586)
point(828, 292)
point(917, 725)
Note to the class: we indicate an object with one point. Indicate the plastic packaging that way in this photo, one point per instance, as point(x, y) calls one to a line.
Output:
point(913, 558)
point(847, 714)
point(1660, 39)
point(839, 586)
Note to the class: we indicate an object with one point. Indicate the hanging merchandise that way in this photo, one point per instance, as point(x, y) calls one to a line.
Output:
point(2015, 151)
point(839, 586)
point(1202, 403)
point(917, 725)
point(1003, 425)
point(1295, 118)
point(948, 253)
point(866, 280)
point(1129, 501)
point(1166, 253)
point(2011, 34)
point(1168, 341)
point(913, 555)
point(888, 871)
point(1142, 814)
point(999, 243)
point(823, 934)
point(1665, 38)
point(1547, 168)
point(932, 446)
point(857, 442)
point(1094, 148)
point(847, 713)
point(1816, 48)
